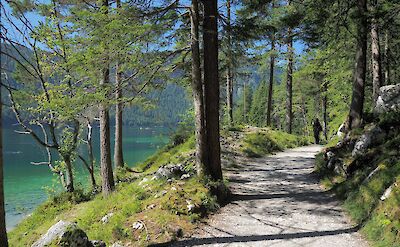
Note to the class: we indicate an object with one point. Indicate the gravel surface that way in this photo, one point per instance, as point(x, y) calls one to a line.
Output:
point(278, 202)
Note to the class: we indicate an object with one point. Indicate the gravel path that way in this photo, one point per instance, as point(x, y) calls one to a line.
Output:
point(278, 202)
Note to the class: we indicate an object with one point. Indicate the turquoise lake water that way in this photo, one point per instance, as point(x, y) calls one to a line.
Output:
point(25, 184)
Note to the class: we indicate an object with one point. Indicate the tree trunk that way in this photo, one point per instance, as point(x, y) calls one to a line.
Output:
point(386, 58)
point(304, 113)
point(118, 152)
point(229, 73)
point(70, 175)
point(105, 149)
point(376, 57)
point(211, 87)
point(357, 101)
point(244, 102)
point(271, 81)
point(3, 231)
point(198, 98)
point(91, 155)
point(324, 110)
point(289, 96)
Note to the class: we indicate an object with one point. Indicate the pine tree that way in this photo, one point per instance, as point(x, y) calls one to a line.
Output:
point(3, 231)
point(198, 94)
point(211, 87)
point(357, 101)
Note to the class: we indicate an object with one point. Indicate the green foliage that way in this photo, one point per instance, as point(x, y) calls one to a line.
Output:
point(243, 106)
point(379, 219)
point(257, 114)
point(365, 197)
point(75, 197)
point(159, 205)
point(384, 225)
point(268, 141)
point(236, 128)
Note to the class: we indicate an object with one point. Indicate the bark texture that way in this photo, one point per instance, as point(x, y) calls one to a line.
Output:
point(325, 110)
point(198, 98)
point(229, 72)
point(211, 87)
point(105, 149)
point(386, 58)
point(289, 80)
point(376, 57)
point(118, 151)
point(271, 81)
point(70, 175)
point(3, 232)
point(91, 155)
point(357, 101)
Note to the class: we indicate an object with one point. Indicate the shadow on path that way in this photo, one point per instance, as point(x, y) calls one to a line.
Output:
point(254, 238)
point(316, 197)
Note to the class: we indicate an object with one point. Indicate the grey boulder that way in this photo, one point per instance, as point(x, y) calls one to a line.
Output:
point(54, 232)
point(66, 233)
point(372, 136)
point(388, 100)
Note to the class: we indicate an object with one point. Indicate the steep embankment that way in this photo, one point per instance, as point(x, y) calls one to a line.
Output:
point(163, 202)
point(364, 170)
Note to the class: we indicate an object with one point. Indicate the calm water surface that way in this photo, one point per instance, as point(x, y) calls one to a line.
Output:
point(26, 185)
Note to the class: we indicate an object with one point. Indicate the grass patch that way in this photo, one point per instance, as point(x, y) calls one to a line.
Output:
point(380, 220)
point(167, 210)
point(267, 141)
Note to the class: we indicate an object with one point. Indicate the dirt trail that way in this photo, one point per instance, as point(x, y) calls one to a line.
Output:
point(278, 202)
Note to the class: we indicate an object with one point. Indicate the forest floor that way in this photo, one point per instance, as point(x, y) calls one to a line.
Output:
point(277, 201)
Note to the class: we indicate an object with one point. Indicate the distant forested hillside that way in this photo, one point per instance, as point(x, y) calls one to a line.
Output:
point(171, 99)
point(171, 102)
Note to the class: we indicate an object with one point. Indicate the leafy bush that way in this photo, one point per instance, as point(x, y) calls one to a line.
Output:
point(78, 196)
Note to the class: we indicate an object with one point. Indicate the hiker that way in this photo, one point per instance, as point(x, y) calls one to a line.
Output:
point(317, 128)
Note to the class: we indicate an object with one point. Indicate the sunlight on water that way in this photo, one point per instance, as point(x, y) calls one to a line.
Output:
point(25, 184)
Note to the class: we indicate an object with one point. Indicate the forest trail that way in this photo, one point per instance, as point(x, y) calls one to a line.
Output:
point(278, 202)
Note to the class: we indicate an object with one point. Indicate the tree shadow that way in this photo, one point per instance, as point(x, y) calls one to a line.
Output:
point(256, 238)
point(315, 197)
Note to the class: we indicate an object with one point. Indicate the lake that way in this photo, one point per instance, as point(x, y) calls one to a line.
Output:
point(26, 185)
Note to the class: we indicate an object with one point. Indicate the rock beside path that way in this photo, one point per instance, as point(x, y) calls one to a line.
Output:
point(65, 233)
point(56, 231)
point(389, 99)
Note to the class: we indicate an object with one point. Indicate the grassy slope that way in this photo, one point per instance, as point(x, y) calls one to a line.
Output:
point(380, 219)
point(160, 205)
point(264, 141)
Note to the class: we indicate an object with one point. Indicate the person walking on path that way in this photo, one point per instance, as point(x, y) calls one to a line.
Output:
point(317, 129)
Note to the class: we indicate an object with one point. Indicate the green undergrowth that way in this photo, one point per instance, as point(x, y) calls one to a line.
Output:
point(265, 141)
point(166, 209)
point(361, 192)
